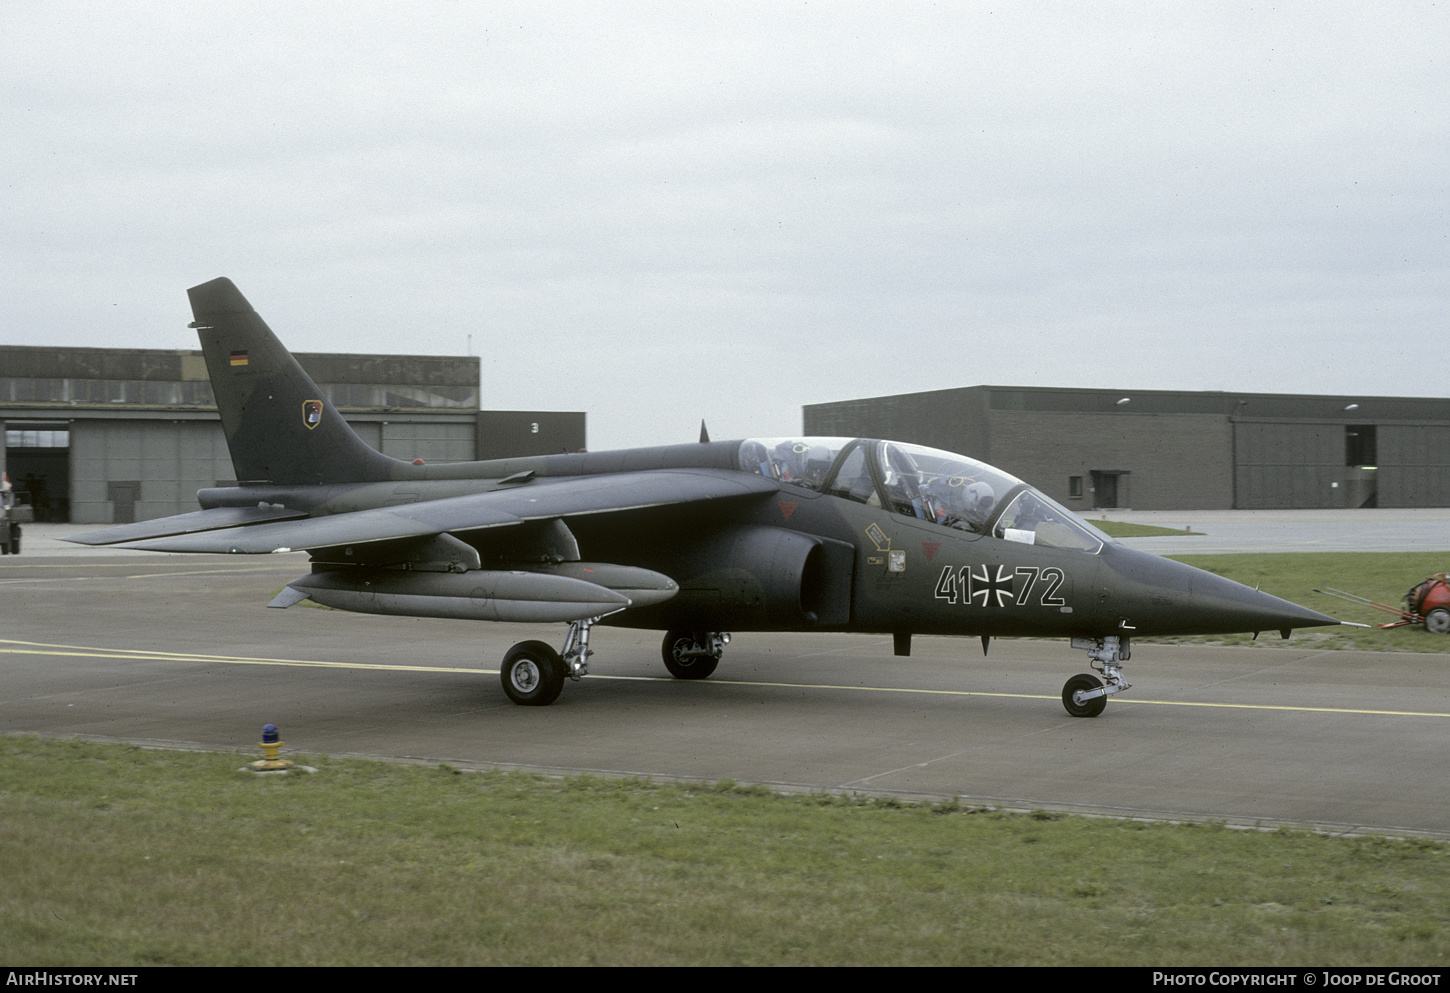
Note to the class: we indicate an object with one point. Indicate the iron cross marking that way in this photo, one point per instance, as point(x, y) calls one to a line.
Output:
point(987, 587)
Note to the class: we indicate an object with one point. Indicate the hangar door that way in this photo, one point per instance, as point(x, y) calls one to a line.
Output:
point(37, 459)
point(1414, 465)
point(427, 440)
point(135, 470)
point(1288, 464)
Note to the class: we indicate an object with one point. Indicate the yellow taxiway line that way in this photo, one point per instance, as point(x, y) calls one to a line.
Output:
point(83, 651)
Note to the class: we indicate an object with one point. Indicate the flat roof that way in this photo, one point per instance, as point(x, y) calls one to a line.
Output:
point(1247, 406)
point(107, 378)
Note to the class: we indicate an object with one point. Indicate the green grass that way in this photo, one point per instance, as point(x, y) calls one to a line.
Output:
point(1382, 576)
point(1126, 529)
point(117, 855)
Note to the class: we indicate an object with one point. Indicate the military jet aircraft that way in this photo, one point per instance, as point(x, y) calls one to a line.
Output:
point(699, 539)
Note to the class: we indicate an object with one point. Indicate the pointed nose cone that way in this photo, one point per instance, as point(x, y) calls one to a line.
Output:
point(1224, 602)
point(1157, 596)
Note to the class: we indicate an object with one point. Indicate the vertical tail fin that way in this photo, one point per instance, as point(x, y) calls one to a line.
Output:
point(279, 426)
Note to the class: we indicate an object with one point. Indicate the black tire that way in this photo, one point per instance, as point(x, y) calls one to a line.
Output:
point(1089, 708)
point(1437, 621)
point(533, 674)
point(683, 666)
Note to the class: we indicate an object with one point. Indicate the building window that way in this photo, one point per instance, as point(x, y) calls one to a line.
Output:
point(1074, 487)
point(44, 438)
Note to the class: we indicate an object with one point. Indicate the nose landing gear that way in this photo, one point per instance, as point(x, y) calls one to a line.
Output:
point(1085, 695)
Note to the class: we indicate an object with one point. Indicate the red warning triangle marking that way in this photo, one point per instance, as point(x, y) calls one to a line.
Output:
point(930, 548)
point(787, 507)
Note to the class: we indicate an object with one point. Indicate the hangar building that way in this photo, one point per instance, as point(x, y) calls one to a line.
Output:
point(109, 436)
point(1161, 450)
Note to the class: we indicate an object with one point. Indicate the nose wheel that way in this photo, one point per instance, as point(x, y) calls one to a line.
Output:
point(1072, 693)
point(1085, 695)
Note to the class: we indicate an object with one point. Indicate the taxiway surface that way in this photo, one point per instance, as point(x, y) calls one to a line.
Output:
point(180, 650)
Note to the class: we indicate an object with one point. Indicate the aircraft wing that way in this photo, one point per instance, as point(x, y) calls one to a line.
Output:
point(537, 499)
point(200, 520)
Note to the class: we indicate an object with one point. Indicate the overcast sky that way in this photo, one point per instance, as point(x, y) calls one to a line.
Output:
point(662, 213)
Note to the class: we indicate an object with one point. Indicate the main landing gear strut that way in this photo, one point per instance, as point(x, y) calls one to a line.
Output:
point(533, 673)
point(693, 654)
point(1085, 695)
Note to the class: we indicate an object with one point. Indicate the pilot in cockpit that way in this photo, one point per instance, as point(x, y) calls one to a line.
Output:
point(960, 503)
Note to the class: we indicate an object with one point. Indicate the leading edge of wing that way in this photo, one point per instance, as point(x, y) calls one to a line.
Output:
point(535, 500)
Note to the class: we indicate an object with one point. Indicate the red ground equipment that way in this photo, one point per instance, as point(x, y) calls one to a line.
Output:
point(1426, 603)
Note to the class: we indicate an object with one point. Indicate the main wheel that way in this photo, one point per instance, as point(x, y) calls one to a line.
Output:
point(1437, 621)
point(533, 674)
point(1088, 708)
point(676, 650)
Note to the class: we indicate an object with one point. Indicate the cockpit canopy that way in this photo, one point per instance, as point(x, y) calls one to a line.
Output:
point(934, 486)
